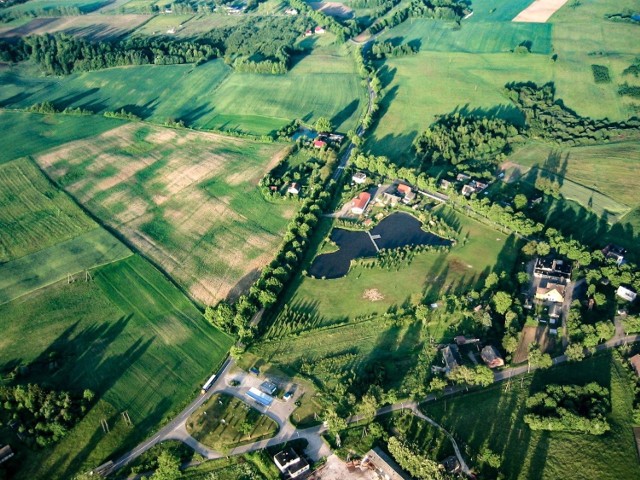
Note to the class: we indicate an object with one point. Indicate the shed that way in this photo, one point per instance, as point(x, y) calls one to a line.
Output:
point(5, 453)
point(261, 398)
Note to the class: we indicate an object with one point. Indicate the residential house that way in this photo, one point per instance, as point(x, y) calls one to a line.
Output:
point(445, 184)
point(615, 253)
point(6, 453)
point(360, 203)
point(467, 190)
point(291, 11)
point(552, 269)
point(409, 197)
point(626, 293)
point(550, 292)
point(491, 357)
point(462, 177)
point(359, 178)
point(308, 33)
point(635, 363)
point(268, 387)
point(293, 189)
point(479, 186)
point(451, 357)
point(390, 199)
point(403, 189)
point(451, 464)
point(290, 463)
point(319, 30)
point(317, 143)
point(384, 466)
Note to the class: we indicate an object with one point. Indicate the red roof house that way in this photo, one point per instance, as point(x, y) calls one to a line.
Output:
point(319, 143)
point(360, 203)
point(404, 189)
point(320, 30)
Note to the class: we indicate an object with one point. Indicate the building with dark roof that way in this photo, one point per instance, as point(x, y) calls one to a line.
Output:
point(290, 463)
point(552, 268)
point(5, 453)
point(491, 357)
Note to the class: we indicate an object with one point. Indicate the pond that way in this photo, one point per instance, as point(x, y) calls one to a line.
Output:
point(395, 231)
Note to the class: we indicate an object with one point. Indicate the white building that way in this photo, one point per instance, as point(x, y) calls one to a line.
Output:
point(626, 293)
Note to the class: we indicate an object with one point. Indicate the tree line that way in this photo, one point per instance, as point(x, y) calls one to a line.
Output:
point(438, 9)
point(385, 49)
point(549, 119)
point(257, 46)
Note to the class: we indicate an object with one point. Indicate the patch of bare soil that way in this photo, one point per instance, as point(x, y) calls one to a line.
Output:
point(332, 9)
point(539, 11)
point(539, 335)
point(373, 295)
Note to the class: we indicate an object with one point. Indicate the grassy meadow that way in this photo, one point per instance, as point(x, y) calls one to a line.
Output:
point(130, 336)
point(30, 133)
point(210, 96)
point(445, 76)
point(342, 322)
point(185, 199)
point(493, 418)
point(220, 423)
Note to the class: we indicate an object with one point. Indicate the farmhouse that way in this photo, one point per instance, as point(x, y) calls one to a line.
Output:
point(360, 203)
point(319, 143)
point(451, 357)
point(308, 33)
point(462, 177)
point(319, 30)
point(383, 465)
point(291, 11)
point(635, 363)
point(626, 293)
point(290, 463)
point(552, 269)
point(445, 184)
point(293, 189)
point(551, 292)
point(467, 190)
point(359, 178)
point(491, 357)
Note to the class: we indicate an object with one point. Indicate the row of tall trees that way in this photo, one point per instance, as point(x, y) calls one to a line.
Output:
point(439, 9)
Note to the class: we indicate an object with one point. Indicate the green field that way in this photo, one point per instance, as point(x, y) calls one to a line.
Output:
point(189, 200)
point(428, 276)
point(30, 133)
point(209, 96)
point(493, 418)
point(130, 336)
point(443, 77)
point(85, 6)
point(345, 325)
point(33, 213)
point(599, 177)
point(220, 423)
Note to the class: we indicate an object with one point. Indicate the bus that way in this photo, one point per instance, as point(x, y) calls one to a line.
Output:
point(208, 384)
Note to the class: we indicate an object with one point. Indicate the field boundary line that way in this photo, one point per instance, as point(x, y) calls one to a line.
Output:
point(118, 236)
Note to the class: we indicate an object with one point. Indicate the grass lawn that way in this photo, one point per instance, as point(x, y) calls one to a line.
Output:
point(210, 96)
point(186, 199)
point(225, 422)
point(130, 336)
point(479, 251)
point(33, 213)
point(26, 134)
point(493, 418)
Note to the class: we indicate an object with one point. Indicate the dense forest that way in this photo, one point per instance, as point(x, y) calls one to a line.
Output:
point(41, 416)
point(569, 408)
point(438, 9)
point(257, 45)
point(456, 138)
point(385, 49)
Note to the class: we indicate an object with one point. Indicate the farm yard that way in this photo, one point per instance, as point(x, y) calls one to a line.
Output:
point(107, 335)
point(493, 418)
point(209, 96)
point(185, 199)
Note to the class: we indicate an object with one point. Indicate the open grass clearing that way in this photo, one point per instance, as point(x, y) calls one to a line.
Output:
point(493, 418)
point(164, 24)
point(210, 96)
point(26, 134)
point(92, 27)
point(479, 251)
point(130, 336)
point(33, 213)
point(188, 200)
point(66, 260)
point(225, 422)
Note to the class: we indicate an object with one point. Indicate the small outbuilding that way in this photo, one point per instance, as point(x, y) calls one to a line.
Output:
point(626, 293)
point(359, 178)
point(5, 453)
point(293, 189)
point(491, 357)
